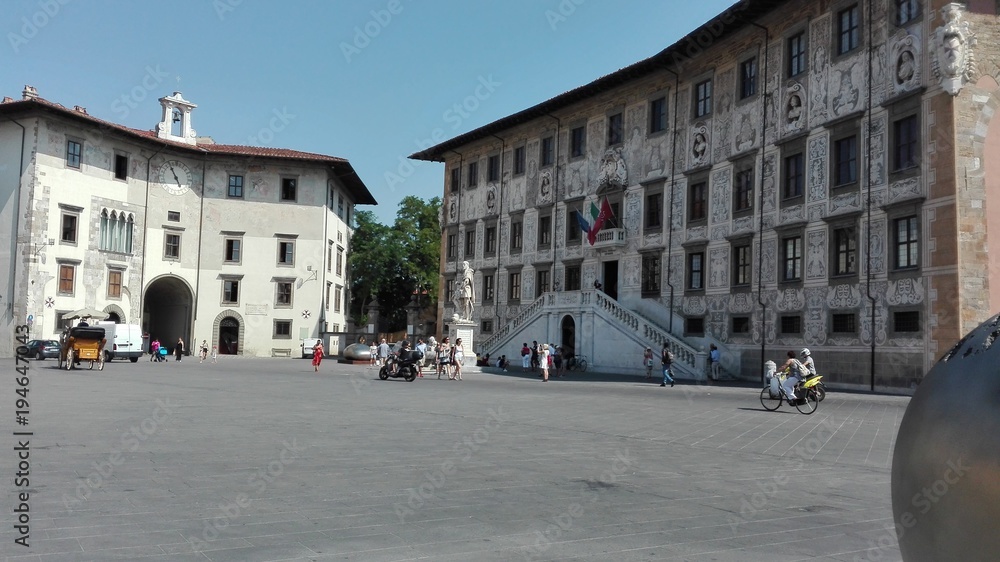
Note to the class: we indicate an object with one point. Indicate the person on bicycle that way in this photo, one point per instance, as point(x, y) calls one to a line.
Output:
point(807, 361)
point(795, 371)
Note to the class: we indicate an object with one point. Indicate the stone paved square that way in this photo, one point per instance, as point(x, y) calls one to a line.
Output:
point(262, 459)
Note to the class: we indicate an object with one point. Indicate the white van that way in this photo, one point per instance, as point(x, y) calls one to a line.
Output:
point(124, 341)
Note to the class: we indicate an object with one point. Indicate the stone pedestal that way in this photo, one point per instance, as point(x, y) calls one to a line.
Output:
point(464, 329)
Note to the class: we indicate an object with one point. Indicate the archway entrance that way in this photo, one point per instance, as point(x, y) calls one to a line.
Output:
point(568, 330)
point(167, 308)
point(229, 336)
point(113, 317)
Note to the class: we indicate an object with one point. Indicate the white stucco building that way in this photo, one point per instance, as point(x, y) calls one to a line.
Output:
point(245, 247)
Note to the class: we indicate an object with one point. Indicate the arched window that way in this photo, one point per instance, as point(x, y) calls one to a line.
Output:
point(117, 229)
point(105, 241)
point(129, 225)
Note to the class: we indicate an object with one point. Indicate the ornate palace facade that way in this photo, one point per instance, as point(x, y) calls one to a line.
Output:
point(791, 174)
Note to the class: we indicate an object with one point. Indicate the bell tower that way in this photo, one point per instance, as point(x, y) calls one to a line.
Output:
point(176, 109)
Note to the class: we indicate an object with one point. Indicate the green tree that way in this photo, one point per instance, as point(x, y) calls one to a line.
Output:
point(390, 263)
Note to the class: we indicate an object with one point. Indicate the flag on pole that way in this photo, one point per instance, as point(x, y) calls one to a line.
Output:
point(600, 217)
point(584, 225)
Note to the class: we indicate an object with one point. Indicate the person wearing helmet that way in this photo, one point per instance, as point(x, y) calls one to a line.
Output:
point(807, 361)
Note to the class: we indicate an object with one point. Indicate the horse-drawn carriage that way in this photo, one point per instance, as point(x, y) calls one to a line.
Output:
point(82, 343)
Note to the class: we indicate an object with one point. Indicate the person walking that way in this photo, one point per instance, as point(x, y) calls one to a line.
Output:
point(535, 350)
point(457, 355)
point(317, 355)
point(543, 358)
point(383, 353)
point(666, 359)
point(525, 357)
point(647, 361)
point(373, 350)
point(443, 358)
point(715, 356)
point(154, 350)
point(203, 352)
point(178, 349)
point(215, 354)
point(422, 348)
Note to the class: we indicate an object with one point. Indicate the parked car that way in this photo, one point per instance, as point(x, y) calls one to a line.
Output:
point(43, 349)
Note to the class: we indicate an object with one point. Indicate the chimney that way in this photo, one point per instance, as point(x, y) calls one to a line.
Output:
point(29, 93)
point(79, 109)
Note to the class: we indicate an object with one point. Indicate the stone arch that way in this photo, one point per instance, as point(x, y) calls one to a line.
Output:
point(217, 323)
point(115, 309)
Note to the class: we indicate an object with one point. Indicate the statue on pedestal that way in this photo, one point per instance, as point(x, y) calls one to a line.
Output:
point(465, 295)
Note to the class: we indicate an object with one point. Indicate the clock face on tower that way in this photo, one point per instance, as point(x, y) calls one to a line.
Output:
point(175, 176)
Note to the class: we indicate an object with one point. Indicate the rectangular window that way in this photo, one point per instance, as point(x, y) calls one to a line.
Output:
point(233, 250)
point(519, 160)
point(288, 186)
point(74, 152)
point(114, 283)
point(696, 271)
point(172, 246)
point(846, 247)
point(493, 168)
point(473, 174)
point(488, 288)
point(792, 257)
point(121, 167)
point(174, 216)
point(329, 256)
point(548, 151)
point(703, 98)
point(698, 204)
point(286, 252)
point(68, 233)
point(67, 275)
point(743, 188)
point(844, 324)
point(796, 54)
point(283, 294)
point(230, 291)
point(327, 294)
point(845, 152)
point(470, 243)
point(694, 326)
point(906, 238)
point(906, 321)
point(906, 149)
point(654, 211)
point(650, 278)
point(449, 290)
point(748, 78)
point(795, 176)
point(456, 180)
point(340, 262)
point(542, 283)
point(545, 231)
point(490, 241)
point(741, 324)
point(338, 298)
point(282, 329)
point(791, 324)
point(572, 225)
point(452, 246)
point(235, 187)
point(340, 206)
point(573, 276)
point(658, 115)
point(742, 256)
point(615, 125)
point(577, 140)
point(848, 29)
point(486, 326)
point(515, 287)
point(907, 11)
point(516, 237)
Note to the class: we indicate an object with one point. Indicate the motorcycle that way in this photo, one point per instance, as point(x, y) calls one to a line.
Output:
point(773, 393)
point(401, 365)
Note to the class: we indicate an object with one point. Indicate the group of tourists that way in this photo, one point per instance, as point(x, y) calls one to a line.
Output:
point(542, 358)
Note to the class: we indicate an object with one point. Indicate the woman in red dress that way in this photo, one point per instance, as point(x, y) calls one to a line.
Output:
point(317, 354)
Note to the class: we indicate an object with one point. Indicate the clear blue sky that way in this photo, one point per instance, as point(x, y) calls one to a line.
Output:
point(349, 83)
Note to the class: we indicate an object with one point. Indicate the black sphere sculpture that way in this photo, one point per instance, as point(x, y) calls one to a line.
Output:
point(946, 464)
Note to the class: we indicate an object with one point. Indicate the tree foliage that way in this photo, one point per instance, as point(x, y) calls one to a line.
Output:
point(389, 264)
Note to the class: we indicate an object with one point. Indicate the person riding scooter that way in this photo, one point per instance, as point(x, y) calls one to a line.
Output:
point(807, 361)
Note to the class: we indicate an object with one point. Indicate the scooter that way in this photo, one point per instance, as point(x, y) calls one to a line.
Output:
point(773, 393)
point(401, 365)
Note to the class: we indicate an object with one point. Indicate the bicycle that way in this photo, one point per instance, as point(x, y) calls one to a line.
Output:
point(773, 394)
point(577, 363)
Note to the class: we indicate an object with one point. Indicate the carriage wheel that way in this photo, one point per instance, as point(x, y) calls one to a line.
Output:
point(69, 359)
